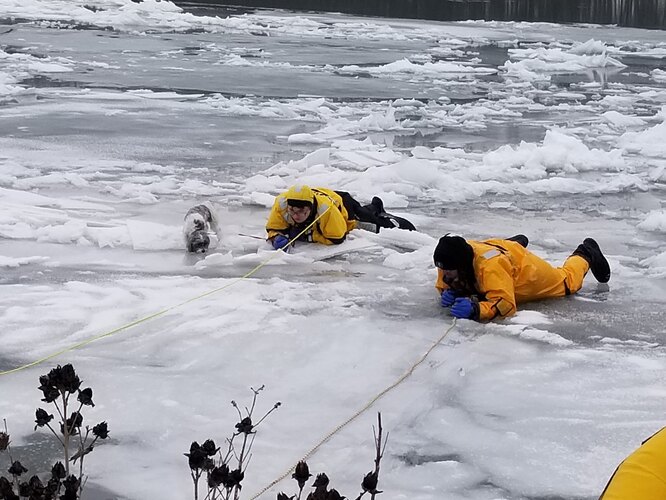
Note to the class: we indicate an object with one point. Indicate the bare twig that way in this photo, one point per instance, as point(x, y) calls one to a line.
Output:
point(380, 452)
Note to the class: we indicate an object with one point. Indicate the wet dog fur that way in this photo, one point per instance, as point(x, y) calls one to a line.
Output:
point(199, 222)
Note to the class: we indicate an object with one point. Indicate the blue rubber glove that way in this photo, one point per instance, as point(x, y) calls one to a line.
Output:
point(280, 241)
point(448, 297)
point(463, 308)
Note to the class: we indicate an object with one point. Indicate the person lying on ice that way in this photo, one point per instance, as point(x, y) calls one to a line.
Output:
point(483, 280)
point(296, 209)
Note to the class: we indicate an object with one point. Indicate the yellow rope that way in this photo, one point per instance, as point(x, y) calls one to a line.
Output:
point(359, 412)
point(158, 313)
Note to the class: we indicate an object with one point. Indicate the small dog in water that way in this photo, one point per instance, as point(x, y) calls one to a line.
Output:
point(199, 221)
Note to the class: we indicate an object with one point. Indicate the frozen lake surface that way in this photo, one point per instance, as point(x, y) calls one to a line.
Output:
point(117, 117)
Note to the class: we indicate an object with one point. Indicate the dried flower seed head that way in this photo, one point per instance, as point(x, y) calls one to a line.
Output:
point(66, 379)
point(197, 457)
point(4, 441)
point(24, 490)
point(37, 487)
point(42, 417)
point(369, 482)
point(334, 495)
point(321, 481)
point(218, 476)
point(70, 494)
point(5, 487)
point(85, 397)
point(61, 379)
point(50, 392)
point(52, 488)
point(17, 469)
point(209, 447)
point(234, 479)
point(301, 474)
point(73, 424)
point(71, 484)
point(245, 426)
point(101, 430)
point(58, 471)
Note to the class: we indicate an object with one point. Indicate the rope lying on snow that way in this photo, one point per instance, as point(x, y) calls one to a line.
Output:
point(157, 314)
point(360, 411)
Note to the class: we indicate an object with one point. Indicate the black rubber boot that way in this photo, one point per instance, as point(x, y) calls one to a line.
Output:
point(377, 205)
point(590, 251)
point(387, 220)
point(520, 238)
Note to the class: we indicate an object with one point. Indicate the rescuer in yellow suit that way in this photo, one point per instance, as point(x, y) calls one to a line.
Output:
point(642, 475)
point(483, 280)
point(335, 212)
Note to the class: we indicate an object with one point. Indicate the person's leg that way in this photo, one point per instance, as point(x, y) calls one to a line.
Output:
point(354, 209)
point(540, 280)
point(385, 219)
point(575, 268)
point(373, 214)
point(586, 257)
point(365, 218)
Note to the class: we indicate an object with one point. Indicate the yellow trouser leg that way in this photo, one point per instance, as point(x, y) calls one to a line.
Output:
point(575, 268)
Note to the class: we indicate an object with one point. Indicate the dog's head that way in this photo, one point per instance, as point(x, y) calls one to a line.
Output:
point(198, 242)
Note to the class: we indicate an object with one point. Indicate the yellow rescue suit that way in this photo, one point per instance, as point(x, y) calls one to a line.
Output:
point(642, 475)
point(330, 229)
point(507, 274)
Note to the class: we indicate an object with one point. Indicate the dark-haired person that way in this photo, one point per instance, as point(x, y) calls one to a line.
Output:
point(484, 280)
point(339, 213)
point(642, 475)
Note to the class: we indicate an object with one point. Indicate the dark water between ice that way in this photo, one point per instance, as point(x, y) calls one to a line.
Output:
point(636, 13)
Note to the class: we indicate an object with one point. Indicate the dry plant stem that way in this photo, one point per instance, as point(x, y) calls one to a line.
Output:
point(378, 448)
point(379, 453)
point(9, 448)
point(241, 458)
point(9, 454)
point(65, 437)
point(71, 429)
point(82, 450)
point(254, 398)
point(214, 493)
point(82, 442)
point(55, 434)
point(195, 479)
point(62, 417)
point(230, 449)
point(275, 407)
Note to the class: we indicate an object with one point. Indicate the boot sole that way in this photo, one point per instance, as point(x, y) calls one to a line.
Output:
point(599, 265)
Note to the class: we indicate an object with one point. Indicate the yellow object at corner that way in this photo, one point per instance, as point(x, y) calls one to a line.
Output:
point(642, 475)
